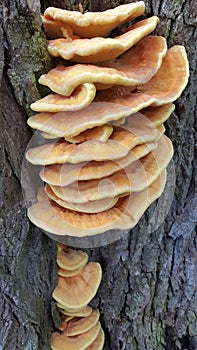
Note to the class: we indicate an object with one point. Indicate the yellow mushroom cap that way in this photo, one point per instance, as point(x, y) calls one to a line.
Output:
point(87, 207)
point(57, 29)
point(138, 130)
point(93, 24)
point(68, 309)
point(80, 341)
point(65, 174)
point(71, 259)
point(100, 133)
point(136, 177)
point(100, 49)
point(77, 291)
point(84, 312)
point(81, 97)
point(81, 325)
point(98, 343)
point(128, 69)
point(165, 87)
point(68, 273)
point(124, 215)
point(98, 113)
point(171, 79)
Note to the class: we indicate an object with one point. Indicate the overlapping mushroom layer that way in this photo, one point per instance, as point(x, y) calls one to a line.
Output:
point(108, 156)
point(78, 282)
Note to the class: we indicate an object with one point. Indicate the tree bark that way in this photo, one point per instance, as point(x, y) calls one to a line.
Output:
point(147, 297)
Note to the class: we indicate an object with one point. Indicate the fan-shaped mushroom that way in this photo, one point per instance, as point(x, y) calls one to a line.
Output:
point(77, 291)
point(93, 24)
point(81, 325)
point(101, 49)
point(80, 341)
point(86, 207)
point(136, 177)
point(98, 342)
point(70, 259)
point(65, 174)
point(165, 87)
point(126, 70)
point(125, 214)
point(98, 113)
point(81, 97)
point(138, 130)
point(85, 312)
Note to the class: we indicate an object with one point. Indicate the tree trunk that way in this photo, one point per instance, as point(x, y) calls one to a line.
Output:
point(147, 297)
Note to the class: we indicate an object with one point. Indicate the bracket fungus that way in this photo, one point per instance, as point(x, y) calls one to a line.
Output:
point(76, 292)
point(80, 341)
point(81, 97)
point(127, 70)
point(79, 322)
point(85, 312)
point(70, 259)
point(116, 146)
point(89, 206)
point(136, 177)
point(101, 49)
point(125, 214)
point(135, 87)
point(67, 173)
point(98, 114)
point(109, 161)
point(81, 325)
point(96, 24)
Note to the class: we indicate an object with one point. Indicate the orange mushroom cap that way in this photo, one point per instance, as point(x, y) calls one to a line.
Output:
point(81, 325)
point(124, 215)
point(65, 174)
point(165, 87)
point(77, 291)
point(93, 24)
point(71, 259)
point(80, 341)
point(84, 312)
point(81, 97)
point(139, 130)
point(100, 133)
point(123, 103)
point(137, 66)
point(98, 342)
point(101, 49)
point(57, 29)
point(136, 177)
point(87, 207)
point(68, 273)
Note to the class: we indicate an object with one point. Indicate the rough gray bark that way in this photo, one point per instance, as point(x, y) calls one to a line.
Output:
point(147, 297)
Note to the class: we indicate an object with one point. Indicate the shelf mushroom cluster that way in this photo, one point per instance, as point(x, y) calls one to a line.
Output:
point(107, 159)
point(78, 282)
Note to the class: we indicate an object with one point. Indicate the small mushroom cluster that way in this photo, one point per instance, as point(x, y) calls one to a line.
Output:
point(78, 282)
point(107, 111)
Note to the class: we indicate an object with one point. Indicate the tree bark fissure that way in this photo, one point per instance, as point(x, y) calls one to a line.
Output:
point(147, 297)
